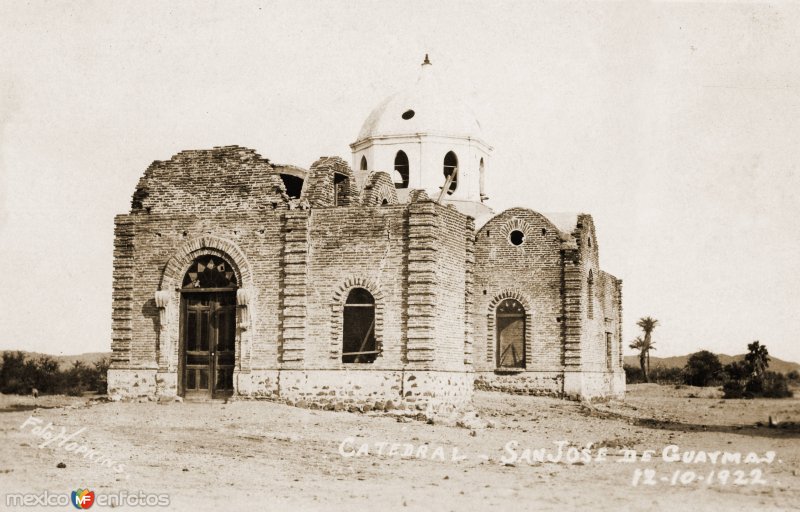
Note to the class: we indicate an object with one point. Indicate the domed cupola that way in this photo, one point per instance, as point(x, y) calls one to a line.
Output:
point(423, 135)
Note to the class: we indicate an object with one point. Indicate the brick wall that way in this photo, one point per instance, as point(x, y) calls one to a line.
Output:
point(355, 247)
point(449, 314)
point(549, 273)
point(298, 266)
point(435, 281)
point(600, 313)
point(531, 273)
point(222, 179)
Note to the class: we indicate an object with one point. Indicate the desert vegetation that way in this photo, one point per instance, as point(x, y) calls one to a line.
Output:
point(645, 344)
point(748, 378)
point(20, 374)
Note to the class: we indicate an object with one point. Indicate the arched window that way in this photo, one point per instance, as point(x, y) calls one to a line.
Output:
point(590, 295)
point(358, 327)
point(510, 322)
point(401, 169)
point(451, 168)
point(363, 163)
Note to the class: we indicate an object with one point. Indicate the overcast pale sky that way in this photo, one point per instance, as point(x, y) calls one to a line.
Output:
point(675, 124)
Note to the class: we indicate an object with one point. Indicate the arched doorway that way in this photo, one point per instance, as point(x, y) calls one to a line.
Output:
point(510, 322)
point(208, 328)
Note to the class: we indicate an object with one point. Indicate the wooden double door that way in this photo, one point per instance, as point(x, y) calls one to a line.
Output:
point(208, 342)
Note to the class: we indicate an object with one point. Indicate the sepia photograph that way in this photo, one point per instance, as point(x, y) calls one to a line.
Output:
point(358, 255)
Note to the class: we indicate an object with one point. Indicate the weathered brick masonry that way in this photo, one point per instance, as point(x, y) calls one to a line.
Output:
point(296, 267)
point(332, 288)
point(566, 318)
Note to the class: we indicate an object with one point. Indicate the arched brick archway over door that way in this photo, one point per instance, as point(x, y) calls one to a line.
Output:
point(228, 304)
point(491, 324)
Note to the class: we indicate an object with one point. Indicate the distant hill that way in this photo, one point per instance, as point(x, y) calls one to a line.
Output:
point(65, 362)
point(775, 364)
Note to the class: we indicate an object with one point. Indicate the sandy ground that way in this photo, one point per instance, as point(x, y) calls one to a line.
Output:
point(246, 454)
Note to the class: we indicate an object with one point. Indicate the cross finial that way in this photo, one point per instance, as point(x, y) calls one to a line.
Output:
point(426, 61)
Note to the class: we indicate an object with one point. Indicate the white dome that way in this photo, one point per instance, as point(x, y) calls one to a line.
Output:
point(427, 107)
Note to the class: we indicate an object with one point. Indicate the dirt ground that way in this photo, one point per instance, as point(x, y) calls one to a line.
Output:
point(244, 454)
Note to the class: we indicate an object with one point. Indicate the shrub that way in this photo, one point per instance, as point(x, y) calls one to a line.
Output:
point(633, 374)
point(19, 375)
point(664, 375)
point(793, 376)
point(658, 374)
point(16, 375)
point(733, 389)
point(702, 369)
point(775, 385)
point(750, 378)
point(99, 377)
point(47, 376)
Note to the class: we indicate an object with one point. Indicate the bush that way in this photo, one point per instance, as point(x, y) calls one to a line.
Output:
point(733, 389)
point(658, 374)
point(98, 379)
point(775, 385)
point(736, 370)
point(633, 374)
point(47, 376)
point(793, 376)
point(16, 375)
point(19, 375)
point(750, 379)
point(663, 375)
point(702, 369)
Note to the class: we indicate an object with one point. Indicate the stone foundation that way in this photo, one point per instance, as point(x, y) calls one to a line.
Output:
point(521, 383)
point(362, 389)
point(132, 383)
point(589, 385)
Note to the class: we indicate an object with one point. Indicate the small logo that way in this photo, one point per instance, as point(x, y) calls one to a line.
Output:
point(83, 499)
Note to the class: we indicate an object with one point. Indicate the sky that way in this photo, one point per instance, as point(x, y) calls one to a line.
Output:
point(676, 125)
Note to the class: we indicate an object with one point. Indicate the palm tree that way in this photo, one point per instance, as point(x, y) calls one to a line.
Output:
point(757, 358)
point(639, 344)
point(648, 324)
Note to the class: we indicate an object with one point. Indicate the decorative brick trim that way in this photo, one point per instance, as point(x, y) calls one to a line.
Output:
point(294, 286)
point(122, 296)
point(337, 306)
point(515, 224)
point(469, 301)
point(171, 281)
point(572, 313)
point(491, 325)
point(423, 233)
point(179, 263)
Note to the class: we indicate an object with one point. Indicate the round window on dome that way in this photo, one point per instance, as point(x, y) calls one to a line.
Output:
point(516, 237)
point(408, 114)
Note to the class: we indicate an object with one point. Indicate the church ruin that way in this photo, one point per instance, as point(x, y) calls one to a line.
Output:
point(391, 283)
